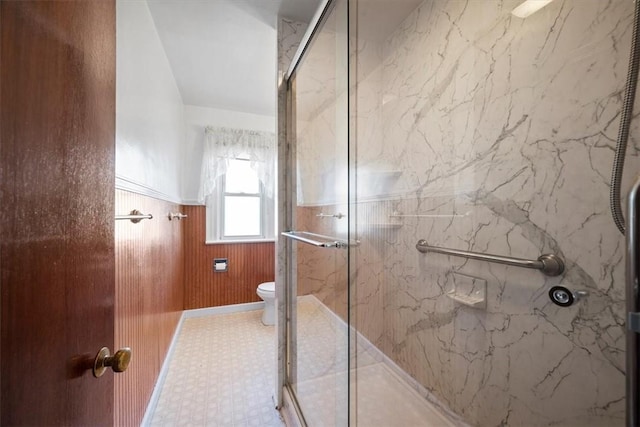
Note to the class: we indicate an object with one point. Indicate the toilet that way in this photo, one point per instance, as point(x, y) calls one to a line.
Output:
point(267, 291)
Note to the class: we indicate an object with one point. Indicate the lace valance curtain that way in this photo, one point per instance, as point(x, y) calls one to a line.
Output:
point(224, 144)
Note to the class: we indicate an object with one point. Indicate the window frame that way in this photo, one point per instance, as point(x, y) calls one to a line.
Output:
point(215, 215)
point(222, 215)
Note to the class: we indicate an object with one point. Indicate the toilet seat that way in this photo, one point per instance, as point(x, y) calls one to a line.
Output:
point(267, 287)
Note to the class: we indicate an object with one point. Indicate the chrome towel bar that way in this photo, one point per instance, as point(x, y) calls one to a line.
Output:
point(135, 216)
point(338, 215)
point(397, 214)
point(313, 239)
point(176, 215)
point(548, 264)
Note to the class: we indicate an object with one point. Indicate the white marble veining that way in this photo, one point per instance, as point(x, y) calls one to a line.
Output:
point(321, 115)
point(498, 133)
point(510, 122)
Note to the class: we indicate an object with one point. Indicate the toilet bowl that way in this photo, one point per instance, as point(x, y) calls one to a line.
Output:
point(267, 291)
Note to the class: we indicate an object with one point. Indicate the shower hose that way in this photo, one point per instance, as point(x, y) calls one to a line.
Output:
point(625, 123)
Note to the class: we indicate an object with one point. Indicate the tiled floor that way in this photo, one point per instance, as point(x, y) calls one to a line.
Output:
point(222, 373)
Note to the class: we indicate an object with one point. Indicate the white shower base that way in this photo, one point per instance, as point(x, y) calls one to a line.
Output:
point(383, 394)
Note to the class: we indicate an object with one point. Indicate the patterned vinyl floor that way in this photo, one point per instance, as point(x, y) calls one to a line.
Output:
point(222, 373)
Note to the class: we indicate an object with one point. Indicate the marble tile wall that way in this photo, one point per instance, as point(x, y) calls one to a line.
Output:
point(321, 117)
point(322, 272)
point(320, 127)
point(499, 133)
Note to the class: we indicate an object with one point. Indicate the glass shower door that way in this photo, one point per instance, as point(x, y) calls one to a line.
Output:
point(483, 131)
point(318, 343)
point(476, 130)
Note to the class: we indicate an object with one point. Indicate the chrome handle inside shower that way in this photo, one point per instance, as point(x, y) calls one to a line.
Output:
point(633, 306)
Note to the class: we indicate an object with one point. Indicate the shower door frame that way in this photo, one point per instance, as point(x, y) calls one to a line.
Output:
point(286, 315)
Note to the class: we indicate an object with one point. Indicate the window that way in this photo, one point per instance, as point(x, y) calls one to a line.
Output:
point(239, 209)
point(242, 200)
point(237, 180)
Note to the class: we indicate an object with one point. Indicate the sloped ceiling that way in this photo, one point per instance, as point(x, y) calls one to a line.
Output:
point(223, 52)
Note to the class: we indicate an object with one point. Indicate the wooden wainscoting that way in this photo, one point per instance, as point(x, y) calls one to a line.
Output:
point(149, 298)
point(249, 265)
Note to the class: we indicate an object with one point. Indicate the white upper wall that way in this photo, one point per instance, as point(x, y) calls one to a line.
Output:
point(223, 52)
point(196, 120)
point(149, 108)
point(222, 55)
point(159, 140)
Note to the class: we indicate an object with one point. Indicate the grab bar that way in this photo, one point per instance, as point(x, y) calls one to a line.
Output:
point(135, 216)
point(329, 242)
point(633, 308)
point(548, 264)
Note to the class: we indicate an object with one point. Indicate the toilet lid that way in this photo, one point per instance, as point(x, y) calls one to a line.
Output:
point(267, 286)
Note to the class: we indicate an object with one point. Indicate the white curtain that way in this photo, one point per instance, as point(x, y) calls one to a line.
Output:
point(223, 144)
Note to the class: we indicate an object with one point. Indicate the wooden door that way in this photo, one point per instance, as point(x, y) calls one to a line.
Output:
point(57, 130)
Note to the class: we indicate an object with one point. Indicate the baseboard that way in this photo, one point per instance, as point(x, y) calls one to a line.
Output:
point(223, 309)
point(155, 396)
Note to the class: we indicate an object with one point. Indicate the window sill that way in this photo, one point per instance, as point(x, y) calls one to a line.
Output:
point(224, 242)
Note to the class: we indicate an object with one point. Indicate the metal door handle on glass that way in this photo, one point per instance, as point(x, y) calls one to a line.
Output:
point(317, 240)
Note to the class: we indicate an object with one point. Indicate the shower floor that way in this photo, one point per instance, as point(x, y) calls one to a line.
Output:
point(221, 373)
point(382, 397)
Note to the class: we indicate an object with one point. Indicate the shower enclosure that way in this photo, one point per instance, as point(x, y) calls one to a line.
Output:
point(433, 149)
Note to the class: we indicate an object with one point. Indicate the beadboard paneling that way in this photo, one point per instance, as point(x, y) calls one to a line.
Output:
point(249, 265)
point(149, 297)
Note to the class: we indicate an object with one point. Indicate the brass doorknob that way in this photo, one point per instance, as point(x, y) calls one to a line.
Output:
point(118, 362)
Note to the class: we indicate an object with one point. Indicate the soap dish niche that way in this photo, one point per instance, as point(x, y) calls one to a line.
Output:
point(467, 290)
